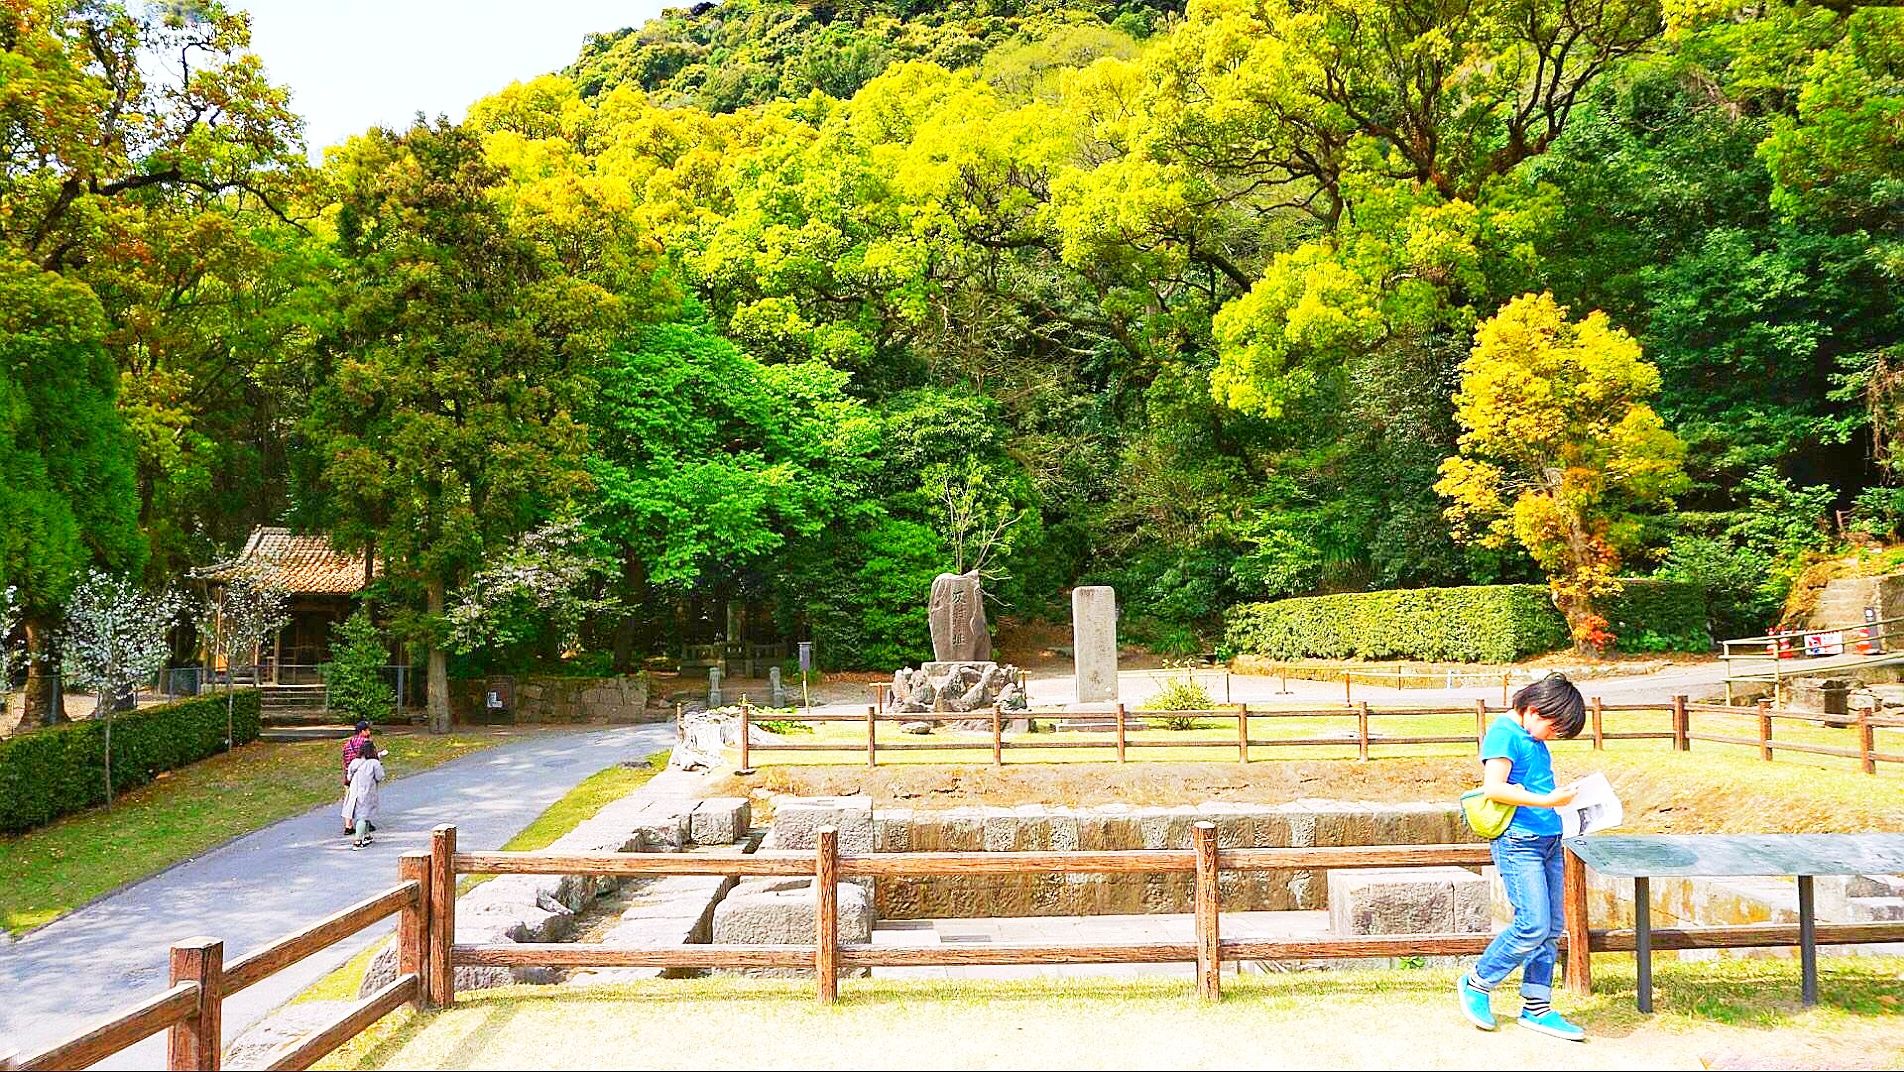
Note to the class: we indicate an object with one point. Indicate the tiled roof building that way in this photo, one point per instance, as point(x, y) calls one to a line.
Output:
point(302, 565)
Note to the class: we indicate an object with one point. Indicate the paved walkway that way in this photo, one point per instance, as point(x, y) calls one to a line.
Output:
point(272, 882)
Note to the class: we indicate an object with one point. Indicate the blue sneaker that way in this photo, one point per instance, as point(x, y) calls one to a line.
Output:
point(1475, 1003)
point(1552, 1023)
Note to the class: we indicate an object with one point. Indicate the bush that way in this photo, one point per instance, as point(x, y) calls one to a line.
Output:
point(56, 771)
point(1495, 623)
point(353, 679)
point(1182, 695)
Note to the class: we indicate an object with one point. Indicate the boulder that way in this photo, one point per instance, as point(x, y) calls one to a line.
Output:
point(780, 911)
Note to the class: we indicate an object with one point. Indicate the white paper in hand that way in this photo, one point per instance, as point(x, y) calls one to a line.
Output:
point(1594, 808)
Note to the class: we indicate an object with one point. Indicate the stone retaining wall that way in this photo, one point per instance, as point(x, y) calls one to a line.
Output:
point(1298, 824)
point(559, 700)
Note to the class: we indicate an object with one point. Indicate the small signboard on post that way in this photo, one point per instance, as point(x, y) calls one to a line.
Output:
point(806, 667)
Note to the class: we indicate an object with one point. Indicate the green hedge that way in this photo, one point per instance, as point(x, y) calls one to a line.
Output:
point(51, 772)
point(1480, 623)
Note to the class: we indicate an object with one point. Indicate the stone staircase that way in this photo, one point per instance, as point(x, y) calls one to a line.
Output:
point(1842, 604)
point(292, 705)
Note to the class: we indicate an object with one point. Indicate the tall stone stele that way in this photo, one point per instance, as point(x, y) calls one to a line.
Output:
point(1094, 642)
point(957, 616)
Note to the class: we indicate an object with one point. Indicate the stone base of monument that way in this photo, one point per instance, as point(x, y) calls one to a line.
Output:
point(958, 687)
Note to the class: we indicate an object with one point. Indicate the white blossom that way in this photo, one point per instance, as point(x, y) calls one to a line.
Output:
point(117, 635)
point(553, 572)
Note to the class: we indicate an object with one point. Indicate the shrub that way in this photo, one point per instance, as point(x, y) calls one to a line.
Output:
point(1182, 695)
point(59, 770)
point(353, 679)
point(1480, 623)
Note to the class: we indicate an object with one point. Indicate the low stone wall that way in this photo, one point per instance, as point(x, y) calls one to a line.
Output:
point(1300, 823)
point(559, 700)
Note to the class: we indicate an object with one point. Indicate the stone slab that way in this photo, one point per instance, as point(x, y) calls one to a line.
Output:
point(1094, 642)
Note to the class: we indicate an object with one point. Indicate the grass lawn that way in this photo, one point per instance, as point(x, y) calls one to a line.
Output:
point(48, 872)
point(1734, 1013)
point(596, 792)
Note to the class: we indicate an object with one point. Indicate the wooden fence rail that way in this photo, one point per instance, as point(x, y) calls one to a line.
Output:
point(1359, 718)
point(191, 1011)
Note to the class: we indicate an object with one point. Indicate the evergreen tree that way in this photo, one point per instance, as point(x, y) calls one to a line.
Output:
point(353, 679)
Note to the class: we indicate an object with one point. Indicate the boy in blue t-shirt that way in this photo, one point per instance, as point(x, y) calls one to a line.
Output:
point(1520, 771)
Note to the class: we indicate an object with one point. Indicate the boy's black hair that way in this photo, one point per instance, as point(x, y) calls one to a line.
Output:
point(1558, 701)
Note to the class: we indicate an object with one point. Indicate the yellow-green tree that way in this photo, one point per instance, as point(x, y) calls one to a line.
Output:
point(1560, 451)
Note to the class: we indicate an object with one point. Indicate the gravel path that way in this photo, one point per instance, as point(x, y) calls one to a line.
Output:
point(272, 882)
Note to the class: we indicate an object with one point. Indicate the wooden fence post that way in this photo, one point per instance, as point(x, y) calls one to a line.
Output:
point(1867, 742)
point(1505, 676)
point(442, 921)
point(826, 914)
point(746, 717)
point(198, 1042)
point(413, 925)
point(879, 695)
point(1361, 731)
point(1765, 730)
point(998, 738)
point(1348, 689)
point(872, 743)
point(1120, 733)
point(1209, 952)
point(1480, 724)
point(1242, 733)
point(1599, 727)
point(1574, 915)
point(1682, 725)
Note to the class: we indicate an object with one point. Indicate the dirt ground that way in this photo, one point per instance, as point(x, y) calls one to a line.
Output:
point(1402, 1019)
point(1664, 792)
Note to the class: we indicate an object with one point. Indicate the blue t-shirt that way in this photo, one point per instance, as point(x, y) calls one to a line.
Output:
point(1532, 769)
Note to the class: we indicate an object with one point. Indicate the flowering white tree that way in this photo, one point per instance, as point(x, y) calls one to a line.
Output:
point(117, 635)
point(555, 573)
point(249, 607)
point(9, 618)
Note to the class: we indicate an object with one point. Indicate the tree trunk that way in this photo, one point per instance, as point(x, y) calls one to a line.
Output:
point(44, 703)
point(437, 687)
point(630, 637)
point(109, 713)
point(229, 719)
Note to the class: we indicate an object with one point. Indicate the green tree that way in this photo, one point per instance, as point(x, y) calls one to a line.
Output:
point(443, 421)
point(1560, 451)
point(354, 682)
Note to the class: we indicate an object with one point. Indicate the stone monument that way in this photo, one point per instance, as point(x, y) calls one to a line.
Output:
point(960, 633)
point(962, 676)
point(1094, 642)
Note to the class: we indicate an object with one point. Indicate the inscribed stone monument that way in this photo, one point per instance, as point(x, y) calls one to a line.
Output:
point(1094, 642)
point(957, 616)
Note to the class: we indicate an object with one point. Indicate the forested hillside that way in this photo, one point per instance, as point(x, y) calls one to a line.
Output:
point(799, 302)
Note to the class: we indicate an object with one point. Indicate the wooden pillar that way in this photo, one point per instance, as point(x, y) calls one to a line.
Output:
point(746, 716)
point(442, 921)
point(1209, 952)
point(998, 738)
point(1505, 676)
point(1348, 688)
point(872, 743)
point(1242, 733)
point(1682, 725)
point(1480, 723)
point(198, 1041)
point(1361, 731)
point(1120, 733)
point(826, 914)
point(1574, 915)
point(413, 925)
point(1765, 730)
point(1599, 725)
point(1867, 742)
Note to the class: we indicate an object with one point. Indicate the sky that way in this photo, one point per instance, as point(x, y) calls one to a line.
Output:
point(353, 64)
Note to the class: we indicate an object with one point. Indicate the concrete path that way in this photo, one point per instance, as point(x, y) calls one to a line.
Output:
point(267, 884)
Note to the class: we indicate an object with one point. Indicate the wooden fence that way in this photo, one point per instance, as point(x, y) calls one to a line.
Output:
point(425, 904)
point(1358, 734)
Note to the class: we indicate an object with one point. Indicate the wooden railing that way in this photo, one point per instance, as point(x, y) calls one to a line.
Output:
point(424, 902)
point(1118, 738)
point(191, 1010)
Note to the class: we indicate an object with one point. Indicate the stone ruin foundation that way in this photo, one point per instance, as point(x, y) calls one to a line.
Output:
point(959, 687)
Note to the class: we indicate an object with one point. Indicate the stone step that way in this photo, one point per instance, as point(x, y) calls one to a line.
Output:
point(1097, 724)
point(293, 734)
point(299, 718)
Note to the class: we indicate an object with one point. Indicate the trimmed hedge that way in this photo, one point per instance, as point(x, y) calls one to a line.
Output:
point(47, 773)
point(1496, 623)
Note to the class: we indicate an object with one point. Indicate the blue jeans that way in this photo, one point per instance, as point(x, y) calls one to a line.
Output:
point(1531, 871)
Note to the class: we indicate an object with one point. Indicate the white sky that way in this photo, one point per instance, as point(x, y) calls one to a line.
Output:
point(353, 64)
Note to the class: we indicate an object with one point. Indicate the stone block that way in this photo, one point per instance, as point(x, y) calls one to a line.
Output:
point(780, 911)
point(797, 821)
point(892, 830)
point(720, 820)
point(1415, 900)
point(1094, 642)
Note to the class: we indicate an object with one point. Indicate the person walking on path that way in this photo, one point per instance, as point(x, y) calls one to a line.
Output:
point(360, 801)
point(356, 746)
point(1519, 771)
